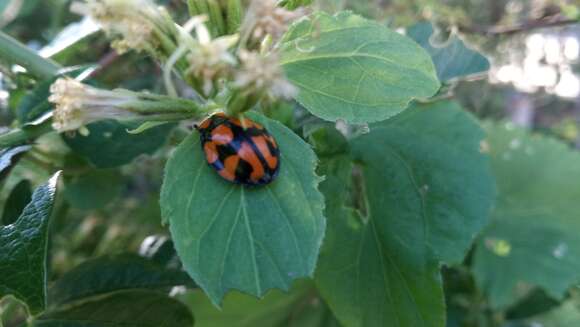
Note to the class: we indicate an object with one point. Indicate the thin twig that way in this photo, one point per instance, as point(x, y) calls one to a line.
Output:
point(510, 30)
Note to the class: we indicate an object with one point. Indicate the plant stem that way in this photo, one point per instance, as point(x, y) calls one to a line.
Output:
point(17, 53)
point(24, 134)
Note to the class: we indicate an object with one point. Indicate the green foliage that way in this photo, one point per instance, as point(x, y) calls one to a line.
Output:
point(350, 68)
point(234, 237)
point(535, 221)
point(390, 209)
point(109, 145)
point(9, 157)
point(452, 59)
point(107, 275)
point(276, 309)
point(93, 189)
point(19, 197)
point(403, 222)
point(133, 308)
point(24, 247)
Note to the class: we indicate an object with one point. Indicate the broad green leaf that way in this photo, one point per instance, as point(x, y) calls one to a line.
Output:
point(19, 197)
point(433, 174)
point(93, 189)
point(9, 157)
point(101, 276)
point(414, 206)
point(109, 144)
point(533, 238)
point(452, 59)
point(136, 308)
point(23, 247)
point(246, 238)
point(241, 310)
point(362, 277)
point(350, 68)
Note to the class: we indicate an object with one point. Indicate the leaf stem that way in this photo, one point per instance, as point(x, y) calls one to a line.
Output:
point(17, 53)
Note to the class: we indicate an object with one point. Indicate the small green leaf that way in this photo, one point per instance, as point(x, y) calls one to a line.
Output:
point(246, 238)
point(17, 200)
point(23, 247)
point(350, 68)
point(101, 276)
point(535, 223)
point(452, 59)
point(109, 145)
point(93, 189)
point(9, 157)
point(136, 308)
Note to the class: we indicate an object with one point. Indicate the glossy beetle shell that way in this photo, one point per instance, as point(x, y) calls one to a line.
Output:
point(240, 150)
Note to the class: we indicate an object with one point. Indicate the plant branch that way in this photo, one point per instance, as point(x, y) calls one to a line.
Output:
point(17, 53)
point(24, 134)
point(510, 30)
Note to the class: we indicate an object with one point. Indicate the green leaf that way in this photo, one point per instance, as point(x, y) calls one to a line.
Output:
point(362, 277)
point(350, 68)
point(452, 59)
point(432, 171)
point(293, 4)
point(23, 247)
point(535, 222)
point(404, 207)
point(109, 145)
point(137, 308)
point(242, 310)
point(17, 200)
point(160, 249)
point(566, 315)
point(93, 189)
point(246, 238)
point(9, 158)
point(101, 276)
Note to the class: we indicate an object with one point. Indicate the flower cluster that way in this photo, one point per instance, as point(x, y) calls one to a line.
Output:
point(225, 65)
point(266, 18)
point(210, 60)
point(135, 24)
point(262, 74)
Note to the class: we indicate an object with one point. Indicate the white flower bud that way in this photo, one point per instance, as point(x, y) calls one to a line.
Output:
point(210, 60)
point(77, 104)
point(132, 22)
point(262, 74)
point(265, 18)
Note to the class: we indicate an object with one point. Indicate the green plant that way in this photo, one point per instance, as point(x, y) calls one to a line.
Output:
point(386, 182)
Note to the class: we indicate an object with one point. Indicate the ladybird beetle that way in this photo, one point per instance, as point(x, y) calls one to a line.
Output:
point(240, 150)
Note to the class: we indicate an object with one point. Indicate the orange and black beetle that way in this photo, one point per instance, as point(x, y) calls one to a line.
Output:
point(240, 150)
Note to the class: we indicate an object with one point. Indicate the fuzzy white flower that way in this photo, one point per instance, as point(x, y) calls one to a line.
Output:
point(77, 105)
point(210, 60)
point(263, 74)
point(265, 18)
point(132, 21)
